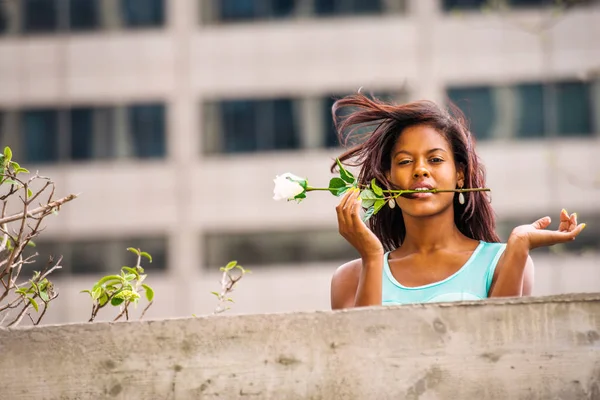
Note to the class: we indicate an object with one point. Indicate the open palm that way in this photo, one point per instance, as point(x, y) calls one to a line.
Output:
point(536, 234)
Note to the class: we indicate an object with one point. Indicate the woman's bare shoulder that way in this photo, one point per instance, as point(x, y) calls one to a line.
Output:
point(344, 284)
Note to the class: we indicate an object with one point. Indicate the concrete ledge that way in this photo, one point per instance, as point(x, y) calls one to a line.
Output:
point(533, 348)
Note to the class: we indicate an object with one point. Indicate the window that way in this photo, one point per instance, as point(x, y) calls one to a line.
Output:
point(251, 125)
point(276, 248)
point(87, 133)
point(229, 11)
point(40, 16)
point(478, 106)
point(528, 110)
point(59, 16)
point(348, 7)
point(41, 135)
point(449, 5)
point(147, 127)
point(143, 13)
point(99, 256)
point(84, 15)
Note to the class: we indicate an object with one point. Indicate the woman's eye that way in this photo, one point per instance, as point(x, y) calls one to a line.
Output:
point(436, 160)
point(403, 162)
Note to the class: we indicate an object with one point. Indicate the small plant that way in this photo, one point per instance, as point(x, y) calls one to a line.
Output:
point(232, 273)
point(122, 290)
point(16, 233)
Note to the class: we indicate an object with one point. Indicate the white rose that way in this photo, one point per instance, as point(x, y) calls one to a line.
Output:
point(287, 186)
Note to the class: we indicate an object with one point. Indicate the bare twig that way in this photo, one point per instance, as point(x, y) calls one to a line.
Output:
point(146, 309)
point(40, 210)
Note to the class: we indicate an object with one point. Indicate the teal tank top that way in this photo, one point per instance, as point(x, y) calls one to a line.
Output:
point(471, 282)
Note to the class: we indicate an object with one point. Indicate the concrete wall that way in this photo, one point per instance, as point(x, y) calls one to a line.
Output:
point(536, 348)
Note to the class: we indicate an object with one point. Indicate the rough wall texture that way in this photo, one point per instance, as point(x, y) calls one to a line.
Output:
point(539, 348)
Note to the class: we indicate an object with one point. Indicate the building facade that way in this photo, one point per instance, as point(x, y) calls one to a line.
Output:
point(171, 118)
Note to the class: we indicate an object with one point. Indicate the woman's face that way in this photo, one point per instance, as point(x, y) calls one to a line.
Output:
point(422, 158)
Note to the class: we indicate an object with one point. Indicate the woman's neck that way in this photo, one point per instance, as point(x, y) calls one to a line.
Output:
point(424, 235)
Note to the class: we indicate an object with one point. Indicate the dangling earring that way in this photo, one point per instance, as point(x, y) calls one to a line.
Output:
point(461, 196)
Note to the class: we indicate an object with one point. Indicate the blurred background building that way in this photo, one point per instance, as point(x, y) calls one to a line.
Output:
point(171, 118)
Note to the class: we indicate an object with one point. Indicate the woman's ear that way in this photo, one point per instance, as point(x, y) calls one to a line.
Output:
point(460, 176)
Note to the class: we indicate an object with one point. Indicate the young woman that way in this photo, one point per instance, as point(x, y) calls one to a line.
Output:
point(430, 247)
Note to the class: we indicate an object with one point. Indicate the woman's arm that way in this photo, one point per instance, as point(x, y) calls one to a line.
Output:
point(357, 283)
point(514, 272)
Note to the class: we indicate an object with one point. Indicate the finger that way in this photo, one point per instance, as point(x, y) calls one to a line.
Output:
point(555, 237)
point(573, 219)
point(340, 209)
point(542, 223)
point(348, 206)
point(564, 215)
point(355, 214)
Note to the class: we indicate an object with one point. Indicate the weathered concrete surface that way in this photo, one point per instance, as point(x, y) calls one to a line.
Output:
point(539, 348)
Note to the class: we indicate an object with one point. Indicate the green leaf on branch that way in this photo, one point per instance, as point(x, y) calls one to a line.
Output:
point(10, 182)
point(378, 206)
point(87, 291)
point(231, 265)
point(96, 293)
point(29, 193)
point(368, 198)
point(30, 243)
point(149, 292)
point(216, 294)
point(134, 251)
point(148, 256)
point(337, 186)
point(103, 299)
point(131, 271)
point(376, 189)
point(344, 173)
point(7, 154)
point(44, 296)
point(115, 301)
point(34, 304)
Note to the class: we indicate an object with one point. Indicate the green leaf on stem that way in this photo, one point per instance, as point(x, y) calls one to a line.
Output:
point(376, 189)
point(44, 296)
point(337, 186)
point(34, 304)
point(378, 205)
point(149, 292)
point(96, 293)
point(131, 271)
point(230, 265)
point(368, 198)
point(7, 154)
point(115, 301)
point(134, 251)
point(148, 256)
point(103, 299)
point(344, 173)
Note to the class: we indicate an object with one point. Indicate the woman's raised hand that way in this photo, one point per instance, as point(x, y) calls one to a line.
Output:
point(536, 235)
point(352, 227)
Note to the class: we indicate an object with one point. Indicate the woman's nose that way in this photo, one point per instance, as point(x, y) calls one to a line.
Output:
point(420, 171)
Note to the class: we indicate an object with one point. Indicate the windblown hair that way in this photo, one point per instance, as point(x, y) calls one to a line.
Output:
point(370, 127)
